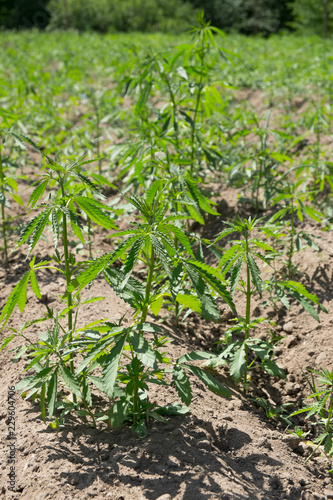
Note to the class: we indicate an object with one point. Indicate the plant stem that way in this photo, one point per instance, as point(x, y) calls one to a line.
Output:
point(248, 311)
point(291, 248)
point(148, 286)
point(4, 235)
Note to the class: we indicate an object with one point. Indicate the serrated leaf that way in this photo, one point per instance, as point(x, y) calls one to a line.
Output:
point(142, 350)
point(238, 363)
point(99, 265)
point(110, 369)
point(70, 380)
point(156, 305)
point(52, 391)
point(34, 285)
point(199, 198)
point(182, 384)
point(118, 413)
point(255, 273)
point(189, 301)
point(92, 209)
point(37, 193)
point(131, 259)
point(15, 298)
point(210, 382)
point(273, 369)
point(215, 280)
point(55, 228)
point(235, 275)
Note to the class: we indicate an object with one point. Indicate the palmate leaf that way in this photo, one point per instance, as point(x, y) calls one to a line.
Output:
point(212, 384)
point(134, 291)
point(87, 181)
point(255, 273)
point(162, 254)
point(93, 210)
point(118, 413)
point(229, 258)
point(182, 384)
point(111, 363)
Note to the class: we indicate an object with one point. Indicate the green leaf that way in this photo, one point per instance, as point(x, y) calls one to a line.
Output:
point(215, 280)
point(212, 384)
point(93, 210)
point(55, 227)
point(255, 273)
point(235, 275)
point(37, 193)
point(111, 363)
point(181, 236)
point(199, 198)
point(34, 285)
point(272, 369)
point(52, 393)
point(99, 265)
point(143, 351)
point(156, 305)
point(118, 413)
point(31, 226)
point(238, 363)
point(182, 384)
point(140, 429)
point(71, 381)
point(18, 296)
point(39, 228)
point(189, 301)
point(132, 257)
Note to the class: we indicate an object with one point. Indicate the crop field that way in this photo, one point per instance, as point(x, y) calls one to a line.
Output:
point(166, 266)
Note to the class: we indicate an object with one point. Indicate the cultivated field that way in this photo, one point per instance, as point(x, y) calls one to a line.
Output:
point(166, 279)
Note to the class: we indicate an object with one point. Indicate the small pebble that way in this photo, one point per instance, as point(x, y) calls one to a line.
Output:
point(289, 327)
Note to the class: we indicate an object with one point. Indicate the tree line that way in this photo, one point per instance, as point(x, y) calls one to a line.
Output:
point(243, 16)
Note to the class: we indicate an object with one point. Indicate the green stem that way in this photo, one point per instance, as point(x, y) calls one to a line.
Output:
point(330, 412)
point(247, 318)
point(148, 287)
point(89, 236)
point(174, 105)
point(4, 235)
point(291, 248)
point(194, 127)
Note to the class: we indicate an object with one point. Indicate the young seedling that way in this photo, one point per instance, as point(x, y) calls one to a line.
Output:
point(322, 409)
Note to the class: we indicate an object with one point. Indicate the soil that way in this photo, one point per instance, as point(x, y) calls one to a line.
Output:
point(224, 449)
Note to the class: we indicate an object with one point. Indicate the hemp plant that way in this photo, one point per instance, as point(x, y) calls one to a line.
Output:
point(62, 211)
point(243, 257)
point(294, 199)
point(321, 409)
point(149, 242)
